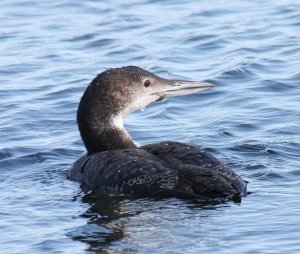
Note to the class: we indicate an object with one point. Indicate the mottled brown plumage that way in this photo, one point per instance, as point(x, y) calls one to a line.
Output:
point(115, 164)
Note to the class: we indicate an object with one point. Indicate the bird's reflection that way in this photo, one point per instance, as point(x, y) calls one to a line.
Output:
point(102, 216)
point(108, 217)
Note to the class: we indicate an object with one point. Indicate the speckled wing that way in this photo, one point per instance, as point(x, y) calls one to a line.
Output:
point(132, 171)
point(163, 169)
point(198, 171)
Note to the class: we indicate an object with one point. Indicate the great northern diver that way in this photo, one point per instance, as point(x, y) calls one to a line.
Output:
point(114, 163)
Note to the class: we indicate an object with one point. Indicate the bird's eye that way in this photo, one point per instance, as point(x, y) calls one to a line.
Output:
point(147, 83)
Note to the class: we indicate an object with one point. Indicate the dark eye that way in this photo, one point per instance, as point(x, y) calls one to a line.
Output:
point(147, 83)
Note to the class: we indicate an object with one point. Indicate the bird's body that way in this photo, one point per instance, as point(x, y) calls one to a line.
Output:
point(115, 164)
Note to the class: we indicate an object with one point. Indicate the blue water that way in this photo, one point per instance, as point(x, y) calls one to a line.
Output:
point(51, 50)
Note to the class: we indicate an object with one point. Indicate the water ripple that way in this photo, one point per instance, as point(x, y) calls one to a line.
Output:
point(49, 53)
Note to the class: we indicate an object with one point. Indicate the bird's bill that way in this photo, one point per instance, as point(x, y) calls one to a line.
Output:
point(182, 87)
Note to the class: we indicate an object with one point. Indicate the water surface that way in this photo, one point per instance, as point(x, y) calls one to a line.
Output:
point(51, 50)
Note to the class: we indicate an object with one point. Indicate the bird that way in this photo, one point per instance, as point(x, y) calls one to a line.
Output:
point(116, 164)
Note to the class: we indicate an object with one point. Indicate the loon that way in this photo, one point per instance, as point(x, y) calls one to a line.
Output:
point(114, 163)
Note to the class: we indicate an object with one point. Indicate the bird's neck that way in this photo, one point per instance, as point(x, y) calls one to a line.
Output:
point(105, 135)
point(101, 125)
